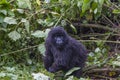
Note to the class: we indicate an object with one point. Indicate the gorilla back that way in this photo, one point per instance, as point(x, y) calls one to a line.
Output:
point(63, 52)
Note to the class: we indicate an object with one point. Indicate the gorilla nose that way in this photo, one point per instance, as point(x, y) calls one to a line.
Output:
point(59, 41)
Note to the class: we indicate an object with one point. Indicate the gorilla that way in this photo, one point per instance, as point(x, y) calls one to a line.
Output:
point(63, 52)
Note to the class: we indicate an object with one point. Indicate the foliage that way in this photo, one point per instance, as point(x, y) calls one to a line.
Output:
point(71, 71)
point(24, 25)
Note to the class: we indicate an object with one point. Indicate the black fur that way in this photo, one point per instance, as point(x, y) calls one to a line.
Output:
point(71, 54)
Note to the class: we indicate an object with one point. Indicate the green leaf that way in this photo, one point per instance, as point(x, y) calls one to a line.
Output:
point(97, 50)
point(63, 23)
point(21, 11)
point(46, 32)
point(38, 2)
point(40, 76)
point(116, 63)
point(73, 28)
point(24, 4)
point(47, 1)
point(4, 4)
point(11, 13)
point(40, 21)
point(3, 12)
point(91, 54)
point(41, 48)
point(1, 19)
point(2, 74)
point(72, 70)
point(23, 20)
point(38, 34)
point(116, 11)
point(70, 78)
point(14, 35)
point(46, 22)
point(101, 2)
point(27, 24)
point(10, 20)
point(86, 5)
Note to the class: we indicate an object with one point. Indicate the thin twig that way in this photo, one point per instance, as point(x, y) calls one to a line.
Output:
point(97, 26)
point(109, 20)
point(117, 42)
point(19, 50)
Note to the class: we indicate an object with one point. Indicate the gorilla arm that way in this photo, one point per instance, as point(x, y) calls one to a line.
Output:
point(62, 62)
point(48, 59)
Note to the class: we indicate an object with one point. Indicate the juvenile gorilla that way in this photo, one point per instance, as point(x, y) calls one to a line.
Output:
point(63, 52)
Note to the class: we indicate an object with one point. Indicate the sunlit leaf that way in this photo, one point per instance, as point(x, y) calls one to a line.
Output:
point(38, 34)
point(116, 11)
point(21, 11)
point(11, 13)
point(10, 20)
point(14, 35)
point(40, 76)
point(40, 21)
point(38, 2)
point(95, 11)
point(63, 23)
point(23, 20)
point(46, 32)
point(116, 63)
point(1, 19)
point(41, 48)
point(27, 26)
point(97, 50)
point(29, 61)
point(47, 1)
point(3, 11)
point(73, 28)
point(2, 74)
point(72, 70)
point(91, 54)
point(24, 4)
point(70, 78)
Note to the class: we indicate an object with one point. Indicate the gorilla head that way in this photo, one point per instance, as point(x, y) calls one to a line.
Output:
point(58, 37)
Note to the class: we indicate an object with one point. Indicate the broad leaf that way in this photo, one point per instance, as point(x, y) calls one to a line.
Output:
point(47, 1)
point(40, 76)
point(10, 20)
point(38, 2)
point(24, 4)
point(38, 34)
point(72, 70)
point(70, 78)
point(21, 11)
point(86, 5)
point(116, 11)
point(41, 48)
point(14, 35)
point(3, 12)
point(116, 63)
point(46, 32)
point(27, 24)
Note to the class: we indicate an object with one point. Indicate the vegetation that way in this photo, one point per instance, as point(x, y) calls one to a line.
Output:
point(24, 25)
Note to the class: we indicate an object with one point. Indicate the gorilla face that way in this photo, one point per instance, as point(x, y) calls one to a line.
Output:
point(58, 39)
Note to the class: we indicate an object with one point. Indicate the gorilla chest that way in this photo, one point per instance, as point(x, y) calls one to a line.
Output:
point(59, 54)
